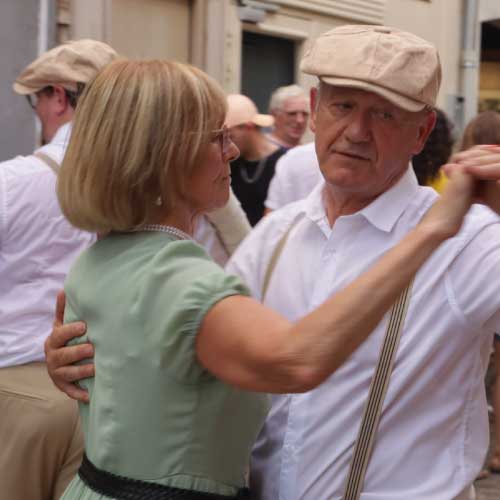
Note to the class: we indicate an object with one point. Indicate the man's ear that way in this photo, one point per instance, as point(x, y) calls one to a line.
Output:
point(313, 104)
point(60, 99)
point(424, 130)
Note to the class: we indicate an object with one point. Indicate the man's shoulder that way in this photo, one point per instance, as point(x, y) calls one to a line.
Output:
point(20, 165)
point(477, 219)
point(299, 154)
point(278, 221)
point(255, 250)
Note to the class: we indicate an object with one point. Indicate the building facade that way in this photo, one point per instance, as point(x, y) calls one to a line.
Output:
point(253, 46)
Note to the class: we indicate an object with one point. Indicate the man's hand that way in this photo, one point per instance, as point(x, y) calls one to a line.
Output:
point(60, 358)
point(483, 163)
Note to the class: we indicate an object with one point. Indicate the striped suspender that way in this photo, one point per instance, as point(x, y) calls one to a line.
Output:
point(274, 258)
point(378, 389)
point(379, 384)
point(49, 162)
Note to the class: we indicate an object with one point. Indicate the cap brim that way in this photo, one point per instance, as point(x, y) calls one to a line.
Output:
point(263, 120)
point(397, 99)
point(21, 89)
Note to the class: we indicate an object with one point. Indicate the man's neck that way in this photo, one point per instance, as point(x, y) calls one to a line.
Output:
point(282, 141)
point(338, 204)
point(260, 148)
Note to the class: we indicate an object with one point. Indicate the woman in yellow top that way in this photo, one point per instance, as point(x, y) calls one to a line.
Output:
point(181, 351)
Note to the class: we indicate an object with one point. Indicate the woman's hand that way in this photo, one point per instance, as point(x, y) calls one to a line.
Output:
point(483, 163)
point(60, 358)
point(445, 217)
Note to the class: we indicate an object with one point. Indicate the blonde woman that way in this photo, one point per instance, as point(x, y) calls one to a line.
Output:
point(182, 354)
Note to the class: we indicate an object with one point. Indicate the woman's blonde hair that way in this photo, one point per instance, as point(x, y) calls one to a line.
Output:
point(139, 129)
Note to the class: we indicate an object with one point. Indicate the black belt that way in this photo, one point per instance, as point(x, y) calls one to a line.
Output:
point(124, 488)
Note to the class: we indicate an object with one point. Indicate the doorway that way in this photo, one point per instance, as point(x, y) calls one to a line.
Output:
point(267, 62)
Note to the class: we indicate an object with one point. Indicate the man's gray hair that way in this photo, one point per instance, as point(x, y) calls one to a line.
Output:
point(281, 94)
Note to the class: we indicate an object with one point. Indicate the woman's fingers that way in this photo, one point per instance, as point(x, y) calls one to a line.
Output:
point(489, 172)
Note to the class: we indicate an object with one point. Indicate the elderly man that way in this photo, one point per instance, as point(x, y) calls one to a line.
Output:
point(290, 108)
point(252, 172)
point(372, 113)
point(40, 432)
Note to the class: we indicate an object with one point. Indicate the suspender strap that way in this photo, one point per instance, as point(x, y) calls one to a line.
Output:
point(49, 162)
point(230, 223)
point(378, 390)
point(274, 258)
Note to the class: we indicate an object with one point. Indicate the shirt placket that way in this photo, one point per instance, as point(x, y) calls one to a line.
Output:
point(299, 405)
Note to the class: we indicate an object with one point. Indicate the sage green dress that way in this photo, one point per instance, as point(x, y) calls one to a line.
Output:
point(155, 413)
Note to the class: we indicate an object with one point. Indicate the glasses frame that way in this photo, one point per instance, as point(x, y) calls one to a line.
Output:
point(49, 90)
point(224, 137)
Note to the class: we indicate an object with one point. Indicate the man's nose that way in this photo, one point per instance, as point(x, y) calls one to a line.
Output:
point(301, 118)
point(358, 128)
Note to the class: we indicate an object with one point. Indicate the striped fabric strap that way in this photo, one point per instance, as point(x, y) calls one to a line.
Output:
point(54, 166)
point(378, 390)
point(275, 256)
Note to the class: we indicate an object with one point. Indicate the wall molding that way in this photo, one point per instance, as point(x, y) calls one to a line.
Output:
point(366, 11)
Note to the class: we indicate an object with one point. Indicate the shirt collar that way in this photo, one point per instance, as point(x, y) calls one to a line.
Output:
point(382, 213)
point(386, 209)
point(61, 137)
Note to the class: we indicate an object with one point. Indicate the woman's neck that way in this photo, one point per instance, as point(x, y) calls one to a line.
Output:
point(180, 217)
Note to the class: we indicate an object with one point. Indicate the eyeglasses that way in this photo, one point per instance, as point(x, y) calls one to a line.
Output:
point(49, 90)
point(32, 100)
point(224, 137)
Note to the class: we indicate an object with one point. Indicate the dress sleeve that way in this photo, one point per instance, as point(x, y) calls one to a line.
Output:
point(183, 297)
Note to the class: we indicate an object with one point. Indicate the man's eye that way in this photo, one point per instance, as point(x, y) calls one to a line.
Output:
point(341, 106)
point(383, 115)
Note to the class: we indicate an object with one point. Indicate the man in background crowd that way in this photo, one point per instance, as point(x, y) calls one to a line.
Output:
point(252, 172)
point(40, 433)
point(290, 108)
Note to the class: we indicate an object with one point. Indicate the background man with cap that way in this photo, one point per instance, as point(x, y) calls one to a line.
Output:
point(40, 434)
point(372, 112)
point(252, 172)
point(289, 106)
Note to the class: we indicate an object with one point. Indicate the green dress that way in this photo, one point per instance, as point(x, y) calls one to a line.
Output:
point(155, 413)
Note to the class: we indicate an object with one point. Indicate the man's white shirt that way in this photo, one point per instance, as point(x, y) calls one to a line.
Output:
point(37, 248)
point(296, 174)
point(433, 433)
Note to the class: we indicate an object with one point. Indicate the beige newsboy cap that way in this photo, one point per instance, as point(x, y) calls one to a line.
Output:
point(395, 64)
point(66, 65)
point(241, 109)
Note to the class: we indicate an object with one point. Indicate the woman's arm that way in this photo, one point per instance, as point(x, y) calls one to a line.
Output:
point(250, 346)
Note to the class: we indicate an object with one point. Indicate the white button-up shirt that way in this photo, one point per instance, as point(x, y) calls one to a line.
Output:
point(433, 433)
point(37, 247)
point(297, 173)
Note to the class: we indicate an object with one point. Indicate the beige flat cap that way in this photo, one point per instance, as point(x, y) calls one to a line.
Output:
point(66, 65)
point(241, 109)
point(395, 64)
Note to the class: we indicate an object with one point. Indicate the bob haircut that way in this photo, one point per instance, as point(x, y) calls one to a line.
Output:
point(139, 130)
point(483, 129)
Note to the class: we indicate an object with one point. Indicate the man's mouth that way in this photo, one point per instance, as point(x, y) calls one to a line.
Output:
point(352, 154)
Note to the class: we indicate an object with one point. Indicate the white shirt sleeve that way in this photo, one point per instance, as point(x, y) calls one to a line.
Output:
point(474, 280)
point(3, 205)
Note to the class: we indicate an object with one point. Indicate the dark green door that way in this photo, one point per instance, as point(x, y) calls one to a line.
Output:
point(267, 62)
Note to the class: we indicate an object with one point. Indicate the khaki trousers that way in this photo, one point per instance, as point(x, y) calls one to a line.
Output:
point(41, 443)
